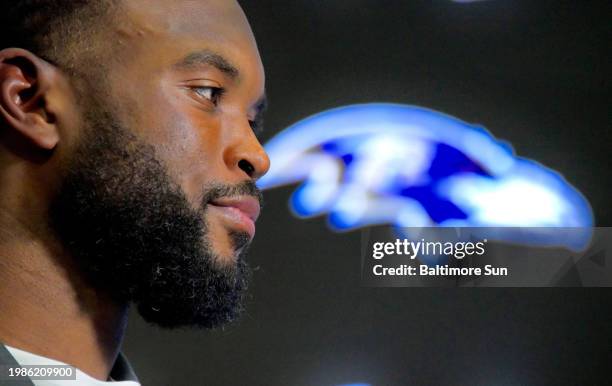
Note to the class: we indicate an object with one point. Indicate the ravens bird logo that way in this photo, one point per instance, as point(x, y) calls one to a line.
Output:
point(408, 166)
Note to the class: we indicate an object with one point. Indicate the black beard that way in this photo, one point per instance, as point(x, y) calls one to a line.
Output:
point(134, 235)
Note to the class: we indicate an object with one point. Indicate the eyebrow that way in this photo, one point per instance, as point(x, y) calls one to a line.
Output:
point(208, 58)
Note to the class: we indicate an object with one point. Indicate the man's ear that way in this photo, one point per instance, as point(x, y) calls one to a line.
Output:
point(25, 83)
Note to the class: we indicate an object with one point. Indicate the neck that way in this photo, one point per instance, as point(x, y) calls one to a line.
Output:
point(46, 307)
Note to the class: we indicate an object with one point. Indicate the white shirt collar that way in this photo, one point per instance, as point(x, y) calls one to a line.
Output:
point(28, 359)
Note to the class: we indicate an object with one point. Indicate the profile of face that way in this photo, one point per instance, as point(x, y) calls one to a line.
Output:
point(157, 198)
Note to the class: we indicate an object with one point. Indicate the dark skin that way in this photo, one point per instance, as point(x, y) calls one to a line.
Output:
point(163, 68)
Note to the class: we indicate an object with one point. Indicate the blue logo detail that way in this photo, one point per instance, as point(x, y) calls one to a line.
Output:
point(413, 167)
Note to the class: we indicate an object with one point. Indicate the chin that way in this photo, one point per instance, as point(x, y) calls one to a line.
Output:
point(226, 259)
point(227, 252)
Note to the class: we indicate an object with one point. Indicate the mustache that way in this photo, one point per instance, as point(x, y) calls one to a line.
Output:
point(246, 188)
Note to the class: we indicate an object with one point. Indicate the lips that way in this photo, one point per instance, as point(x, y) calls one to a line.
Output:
point(238, 212)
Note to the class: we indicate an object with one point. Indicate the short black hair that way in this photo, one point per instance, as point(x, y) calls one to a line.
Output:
point(47, 27)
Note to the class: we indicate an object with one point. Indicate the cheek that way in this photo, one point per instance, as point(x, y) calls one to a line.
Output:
point(189, 143)
point(186, 139)
point(195, 159)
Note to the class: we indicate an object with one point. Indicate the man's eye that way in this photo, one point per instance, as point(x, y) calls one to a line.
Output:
point(213, 94)
point(257, 126)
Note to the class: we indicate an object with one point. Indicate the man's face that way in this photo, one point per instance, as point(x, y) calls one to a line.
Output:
point(188, 79)
point(158, 201)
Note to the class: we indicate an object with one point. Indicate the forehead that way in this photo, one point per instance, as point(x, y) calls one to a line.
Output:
point(163, 32)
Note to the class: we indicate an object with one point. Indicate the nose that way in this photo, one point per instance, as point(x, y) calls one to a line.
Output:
point(247, 156)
